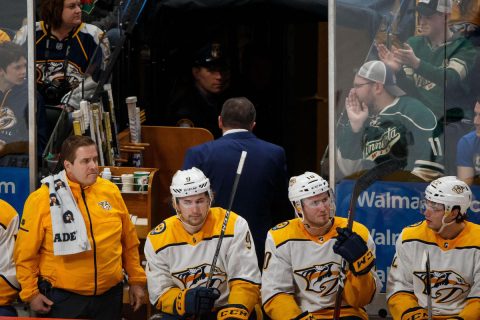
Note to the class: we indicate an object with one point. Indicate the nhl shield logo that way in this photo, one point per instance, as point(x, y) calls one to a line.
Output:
point(197, 276)
point(105, 205)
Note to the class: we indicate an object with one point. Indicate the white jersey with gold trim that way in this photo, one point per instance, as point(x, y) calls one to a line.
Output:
point(454, 267)
point(301, 272)
point(177, 259)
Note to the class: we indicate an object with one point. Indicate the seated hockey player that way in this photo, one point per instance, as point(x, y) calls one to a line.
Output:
point(303, 259)
point(451, 245)
point(180, 253)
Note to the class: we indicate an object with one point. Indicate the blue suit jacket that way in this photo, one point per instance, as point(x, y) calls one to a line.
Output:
point(262, 192)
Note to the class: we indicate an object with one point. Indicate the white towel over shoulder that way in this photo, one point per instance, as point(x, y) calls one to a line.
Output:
point(68, 226)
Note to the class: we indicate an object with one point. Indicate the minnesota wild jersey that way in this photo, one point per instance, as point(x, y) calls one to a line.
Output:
point(405, 130)
point(441, 80)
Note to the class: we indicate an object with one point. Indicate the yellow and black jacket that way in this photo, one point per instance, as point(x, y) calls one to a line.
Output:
point(112, 237)
point(9, 286)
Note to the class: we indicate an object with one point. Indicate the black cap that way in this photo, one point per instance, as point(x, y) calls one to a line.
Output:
point(210, 56)
point(429, 7)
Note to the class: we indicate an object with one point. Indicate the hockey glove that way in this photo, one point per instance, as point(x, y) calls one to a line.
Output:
point(417, 313)
point(73, 97)
point(353, 249)
point(233, 312)
point(305, 316)
point(196, 301)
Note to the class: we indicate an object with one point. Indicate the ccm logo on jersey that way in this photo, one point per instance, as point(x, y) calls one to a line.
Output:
point(197, 276)
point(322, 279)
point(447, 286)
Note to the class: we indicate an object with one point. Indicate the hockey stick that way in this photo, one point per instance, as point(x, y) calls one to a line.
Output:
point(428, 287)
point(368, 178)
point(227, 215)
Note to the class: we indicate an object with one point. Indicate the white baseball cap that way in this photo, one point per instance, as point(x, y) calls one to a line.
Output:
point(377, 71)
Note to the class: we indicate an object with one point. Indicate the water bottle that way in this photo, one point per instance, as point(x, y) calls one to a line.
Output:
point(107, 174)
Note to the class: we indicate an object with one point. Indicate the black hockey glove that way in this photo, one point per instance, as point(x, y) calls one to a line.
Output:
point(305, 316)
point(353, 249)
point(233, 312)
point(196, 301)
point(417, 313)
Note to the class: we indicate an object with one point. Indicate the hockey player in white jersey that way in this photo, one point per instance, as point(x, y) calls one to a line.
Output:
point(303, 259)
point(180, 251)
point(452, 246)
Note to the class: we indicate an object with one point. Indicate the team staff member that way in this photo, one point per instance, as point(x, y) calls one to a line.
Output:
point(9, 286)
point(78, 273)
point(262, 198)
point(453, 247)
point(180, 251)
point(303, 259)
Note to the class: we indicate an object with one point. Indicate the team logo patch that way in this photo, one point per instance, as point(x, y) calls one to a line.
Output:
point(105, 205)
point(7, 118)
point(322, 279)
point(197, 276)
point(447, 286)
point(281, 225)
point(159, 229)
point(458, 189)
point(381, 146)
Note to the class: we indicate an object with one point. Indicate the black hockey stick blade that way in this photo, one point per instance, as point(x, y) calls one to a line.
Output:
point(366, 180)
point(381, 170)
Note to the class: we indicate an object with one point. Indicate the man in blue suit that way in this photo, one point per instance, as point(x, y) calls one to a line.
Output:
point(262, 192)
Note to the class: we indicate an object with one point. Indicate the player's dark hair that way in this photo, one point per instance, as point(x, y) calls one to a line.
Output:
point(51, 13)
point(9, 53)
point(72, 143)
point(238, 113)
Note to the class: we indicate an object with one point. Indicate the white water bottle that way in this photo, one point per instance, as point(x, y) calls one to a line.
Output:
point(107, 174)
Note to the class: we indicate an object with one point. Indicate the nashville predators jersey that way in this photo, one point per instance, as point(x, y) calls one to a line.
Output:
point(177, 260)
point(9, 286)
point(454, 272)
point(301, 273)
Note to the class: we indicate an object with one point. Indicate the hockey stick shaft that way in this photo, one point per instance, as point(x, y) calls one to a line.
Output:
point(368, 178)
point(227, 215)
point(428, 287)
